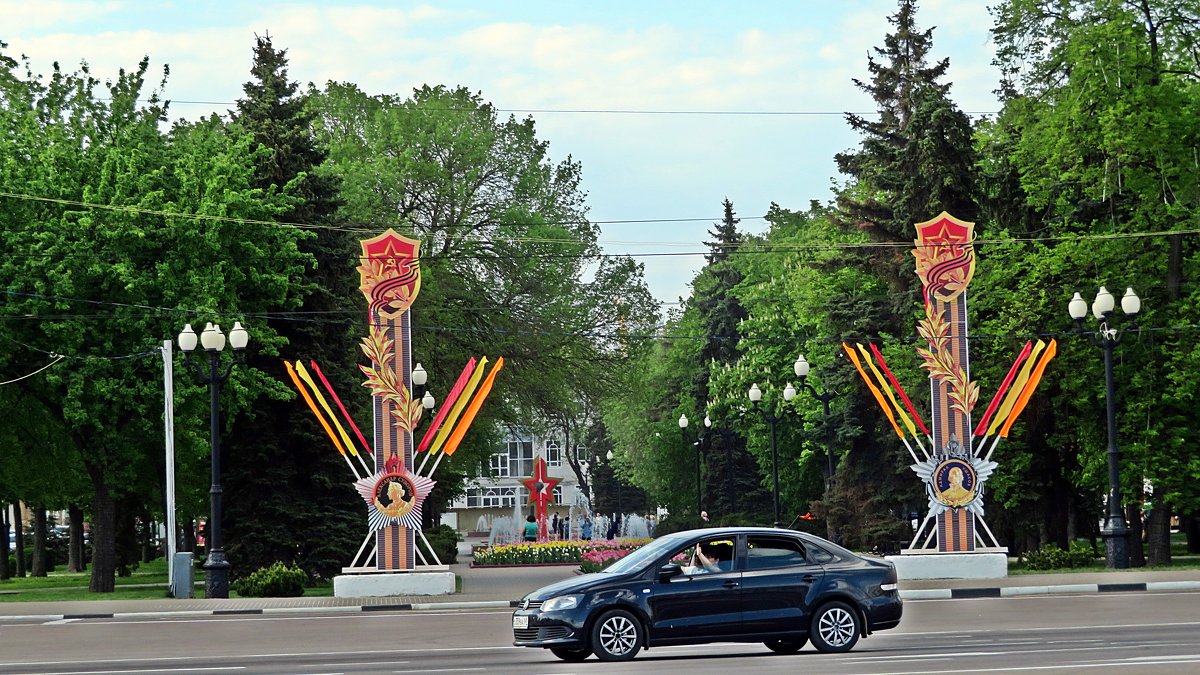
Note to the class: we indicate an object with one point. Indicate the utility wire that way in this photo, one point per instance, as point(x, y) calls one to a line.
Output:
point(742, 248)
point(57, 358)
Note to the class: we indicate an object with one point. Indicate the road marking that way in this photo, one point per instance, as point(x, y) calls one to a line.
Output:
point(439, 670)
point(1010, 669)
point(258, 656)
point(185, 669)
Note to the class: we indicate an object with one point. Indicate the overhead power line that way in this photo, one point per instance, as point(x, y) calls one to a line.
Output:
point(741, 248)
point(618, 111)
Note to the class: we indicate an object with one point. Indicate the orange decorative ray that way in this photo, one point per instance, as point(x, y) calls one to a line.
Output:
point(1029, 387)
point(313, 406)
point(473, 409)
point(887, 410)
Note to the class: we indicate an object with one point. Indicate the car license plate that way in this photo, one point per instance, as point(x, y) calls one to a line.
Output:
point(520, 622)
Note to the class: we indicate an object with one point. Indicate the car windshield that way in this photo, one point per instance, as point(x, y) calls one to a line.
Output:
point(646, 554)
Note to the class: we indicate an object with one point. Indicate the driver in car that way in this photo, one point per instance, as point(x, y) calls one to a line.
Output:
point(702, 562)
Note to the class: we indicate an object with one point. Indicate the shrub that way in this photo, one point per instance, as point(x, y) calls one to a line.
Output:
point(276, 581)
point(444, 540)
point(598, 559)
point(540, 553)
point(1050, 557)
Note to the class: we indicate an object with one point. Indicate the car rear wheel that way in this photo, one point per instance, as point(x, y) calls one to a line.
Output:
point(786, 646)
point(616, 636)
point(571, 655)
point(835, 628)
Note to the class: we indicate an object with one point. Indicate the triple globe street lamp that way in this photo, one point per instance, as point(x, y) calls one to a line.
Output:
point(1107, 338)
point(772, 419)
point(801, 367)
point(216, 567)
point(683, 425)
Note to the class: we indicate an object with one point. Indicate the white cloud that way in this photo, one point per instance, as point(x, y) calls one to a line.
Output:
point(21, 16)
point(635, 166)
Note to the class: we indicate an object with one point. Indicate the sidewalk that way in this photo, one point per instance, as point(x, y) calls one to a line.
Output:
point(500, 588)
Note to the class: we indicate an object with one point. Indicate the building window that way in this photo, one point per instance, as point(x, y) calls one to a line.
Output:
point(499, 465)
point(493, 497)
point(520, 458)
point(553, 453)
point(558, 494)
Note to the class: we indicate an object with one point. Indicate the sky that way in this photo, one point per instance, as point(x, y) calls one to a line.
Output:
point(648, 96)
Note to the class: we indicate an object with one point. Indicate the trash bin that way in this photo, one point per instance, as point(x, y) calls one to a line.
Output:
point(183, 576)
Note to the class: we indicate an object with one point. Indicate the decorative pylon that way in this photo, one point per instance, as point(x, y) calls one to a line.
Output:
point(954, 469)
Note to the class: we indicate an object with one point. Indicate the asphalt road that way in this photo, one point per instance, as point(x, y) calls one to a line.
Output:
point(1107, 633)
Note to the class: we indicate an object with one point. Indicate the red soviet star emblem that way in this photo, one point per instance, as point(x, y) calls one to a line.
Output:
point(541, 493)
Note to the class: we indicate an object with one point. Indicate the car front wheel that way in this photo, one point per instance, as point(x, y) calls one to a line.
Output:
point(835, 628)
point(571, 655)
point(786, 646)
point(617, 636)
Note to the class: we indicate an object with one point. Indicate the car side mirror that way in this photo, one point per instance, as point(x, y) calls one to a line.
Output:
point(669, 571)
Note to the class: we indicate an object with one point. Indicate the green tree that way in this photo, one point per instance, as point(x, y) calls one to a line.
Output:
point(294, 500)
point(510, 264)
point(1100, 100)
point(733, 482)
point(101, 275)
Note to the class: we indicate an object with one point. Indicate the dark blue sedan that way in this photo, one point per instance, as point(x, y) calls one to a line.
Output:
point(737, 584)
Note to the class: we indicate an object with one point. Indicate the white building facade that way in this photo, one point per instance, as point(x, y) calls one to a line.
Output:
point(501, 493)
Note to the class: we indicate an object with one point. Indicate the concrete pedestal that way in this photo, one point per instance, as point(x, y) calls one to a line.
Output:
point(951, 565)
point(366, 583)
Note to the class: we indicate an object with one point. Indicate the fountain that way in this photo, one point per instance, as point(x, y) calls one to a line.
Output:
point(634, 526)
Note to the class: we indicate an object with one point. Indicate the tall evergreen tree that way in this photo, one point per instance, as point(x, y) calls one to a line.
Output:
point(720, 313)
point(915, 161)
point(289, 493)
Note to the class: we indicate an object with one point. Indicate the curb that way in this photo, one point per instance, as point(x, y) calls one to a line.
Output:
point(915, 594)
point(1015, 591)
point(348, 609)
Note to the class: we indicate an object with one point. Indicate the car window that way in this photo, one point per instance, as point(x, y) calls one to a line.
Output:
point(771, 552)
point(819, 555)
point(706, 557)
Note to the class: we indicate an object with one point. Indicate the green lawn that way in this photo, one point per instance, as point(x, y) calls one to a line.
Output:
point(148, 582)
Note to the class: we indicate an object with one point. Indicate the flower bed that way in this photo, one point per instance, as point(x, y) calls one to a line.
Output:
point(588, 554)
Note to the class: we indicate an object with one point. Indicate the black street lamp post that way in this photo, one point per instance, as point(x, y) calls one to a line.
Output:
point(801, 369)
point(755, 395)
point(683, 424)
point(616, 479)
point(216, 567)
point(1107, 338)
point(727, 436)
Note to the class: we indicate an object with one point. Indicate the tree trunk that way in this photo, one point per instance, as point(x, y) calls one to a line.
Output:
point(188, 545)
point(104, 549)
point(125, 535)
point(5, 572)
point(1133, 518)
point(20, 532)
point(75, 562)
point(1158, 535)
point(39, 565)
point(1191, 528)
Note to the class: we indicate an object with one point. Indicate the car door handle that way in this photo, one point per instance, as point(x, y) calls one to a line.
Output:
point(731, 584)
point(810, 578)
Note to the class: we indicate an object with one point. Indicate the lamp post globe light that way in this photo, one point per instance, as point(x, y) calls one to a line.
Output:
point(755, 396)
point(216, 567)
point(1107, 338)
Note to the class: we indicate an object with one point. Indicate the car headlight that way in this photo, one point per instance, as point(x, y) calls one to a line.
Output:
point(887, 587)
point(560, 603)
